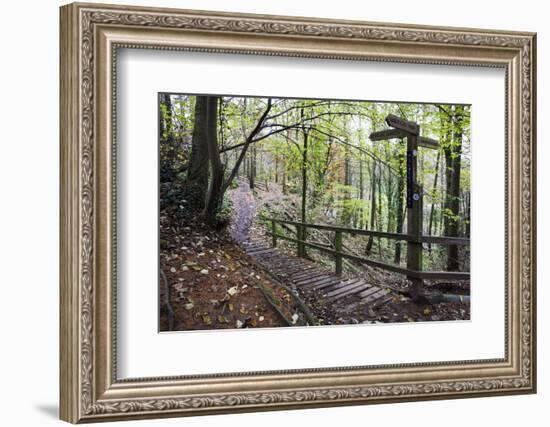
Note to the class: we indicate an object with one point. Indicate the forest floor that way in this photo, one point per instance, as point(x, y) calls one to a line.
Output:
point(214, 284)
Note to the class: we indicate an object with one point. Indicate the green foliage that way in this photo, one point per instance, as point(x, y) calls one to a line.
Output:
point(224, 213)
point(351, 180)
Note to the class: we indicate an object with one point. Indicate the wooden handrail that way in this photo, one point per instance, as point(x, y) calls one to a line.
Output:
point(426, 275)
point(440, 240)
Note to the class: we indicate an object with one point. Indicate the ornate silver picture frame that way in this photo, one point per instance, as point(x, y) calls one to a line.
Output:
point(90, 36)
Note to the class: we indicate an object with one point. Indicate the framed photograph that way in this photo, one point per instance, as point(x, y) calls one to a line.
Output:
point(267, 212)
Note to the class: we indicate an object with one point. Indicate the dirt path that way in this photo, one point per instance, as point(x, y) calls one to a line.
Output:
point(244, 210)
point(246, 206)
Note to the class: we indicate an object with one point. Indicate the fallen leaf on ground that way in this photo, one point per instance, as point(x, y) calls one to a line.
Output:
point(206, 319)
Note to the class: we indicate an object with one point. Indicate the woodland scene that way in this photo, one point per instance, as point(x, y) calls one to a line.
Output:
point(280, 212)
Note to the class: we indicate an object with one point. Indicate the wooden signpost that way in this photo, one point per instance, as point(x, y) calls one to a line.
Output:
point(402, 124)
point(402, 128)
point(387, 134)
point(428, 143)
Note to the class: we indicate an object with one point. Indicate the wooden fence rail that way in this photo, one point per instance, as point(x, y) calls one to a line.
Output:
point(338, 254)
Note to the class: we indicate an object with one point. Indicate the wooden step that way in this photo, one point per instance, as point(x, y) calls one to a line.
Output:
point(307, 272)
point(327, 281)
point(344, 288)
point(300, 273)
point(286, 262)
point(319, 281)
point(304, 271)
point(259, 251)
point(253, 245)
point(372, 297)
point(349, 291)
point(369, 291)
point(308, 278)
point(381, 301)
point(342, 284)
point(288, 269)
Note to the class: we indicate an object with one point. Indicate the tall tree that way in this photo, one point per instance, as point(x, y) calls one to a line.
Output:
point(453, 152)
point(197, 173)
point(400, 206)
point(434, 189)
point(215, 187)
point(372, 221)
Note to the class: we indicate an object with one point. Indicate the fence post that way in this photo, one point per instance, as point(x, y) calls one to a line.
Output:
point(338, 248)
point(273, 232)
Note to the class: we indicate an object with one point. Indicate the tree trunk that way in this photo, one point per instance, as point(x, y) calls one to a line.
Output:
point(197, 174)
point(304, 194)
point(441, 216)
point(467, 211)
point(434, 189)
point(452, 199)
point(372, 206)
point(390, 201)
point(400, 216)
point(346, 210)
point(169, 149)
point(361, 193)
point(283, 174)
point(166, 122)
point(379, 208)
point(215, 190)
point(252, 168)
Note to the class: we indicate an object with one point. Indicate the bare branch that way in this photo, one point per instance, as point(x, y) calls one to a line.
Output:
point(247, 143)
point(368, 153)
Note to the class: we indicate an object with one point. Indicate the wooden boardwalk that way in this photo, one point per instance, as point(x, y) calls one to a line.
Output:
point(342, 292)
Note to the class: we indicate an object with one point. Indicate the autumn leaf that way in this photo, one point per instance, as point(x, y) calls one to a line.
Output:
point(206, 319)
